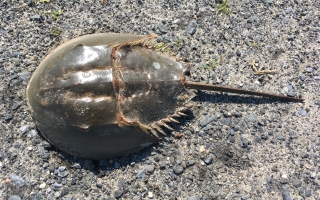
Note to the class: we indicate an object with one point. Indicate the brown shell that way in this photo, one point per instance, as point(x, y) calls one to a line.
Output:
point(106, 95)
point(101, 96)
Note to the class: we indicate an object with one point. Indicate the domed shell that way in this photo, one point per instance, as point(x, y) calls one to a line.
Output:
point(105, 95)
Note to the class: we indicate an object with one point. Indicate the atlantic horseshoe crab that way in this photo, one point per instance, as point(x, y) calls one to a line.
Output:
point(106, 95)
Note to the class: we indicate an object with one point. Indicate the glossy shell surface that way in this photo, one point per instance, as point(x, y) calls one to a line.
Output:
point(97, 96)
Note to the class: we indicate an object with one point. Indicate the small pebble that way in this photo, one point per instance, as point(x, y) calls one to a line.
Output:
point(163, 28)
point(8, 117)
point(291, 93)
point(195, 197)
point(244, 198)
point(50, 196)
point(63, 174)
point(308, 193)
point(32, 133)
point(202, 148)
point(293, 135)
point(206, 120)
point(301, 191)
point(216, 196)
point(231, 132)
point(16, 105)
point(35, 17)
point(279, 136)
point(62, 168)
point(250, 117)
point(142, 172)
point(297, 183)
point(121, 182)
point(309, 69)
point(257, 82)
point(15, 54)
point(73, 181)
point(288, 10)
point(302, 112)
point(64, 192)
point(150, 168)
point(162, 165)
point(192, 27)
point(17, 180)
point(24, 129)
point(289, 87)
point(77, 166)
point(56, 186)
point(150, 195)
point(218, 115)
point(226, 121)
point(117, 193)
point(208, 160)
point(25, 76)
point(42, 185)
point(245, 142)
point(285, 187)
point(178, 169)
point(286, 195)
point(191, 162)
point(14, 197)
point(238, 52)
point(178, 161)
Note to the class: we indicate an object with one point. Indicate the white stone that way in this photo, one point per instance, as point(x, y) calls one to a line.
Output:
point(202, 148)
point(257, 82)
point(42, 185)
point(150, 195)
point(57, 194)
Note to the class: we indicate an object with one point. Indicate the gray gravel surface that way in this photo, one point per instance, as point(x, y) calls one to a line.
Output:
point(233, 146)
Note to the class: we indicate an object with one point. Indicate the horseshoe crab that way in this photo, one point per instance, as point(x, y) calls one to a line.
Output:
point(106, 95)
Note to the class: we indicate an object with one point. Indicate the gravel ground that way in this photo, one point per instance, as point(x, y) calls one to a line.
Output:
point(233, 146)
